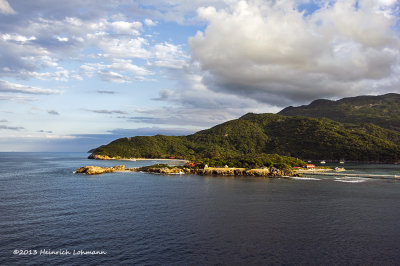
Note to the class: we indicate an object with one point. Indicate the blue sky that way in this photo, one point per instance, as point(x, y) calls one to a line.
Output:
point(77, 74)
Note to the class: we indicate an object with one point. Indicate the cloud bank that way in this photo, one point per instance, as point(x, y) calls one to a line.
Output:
point(276, 53)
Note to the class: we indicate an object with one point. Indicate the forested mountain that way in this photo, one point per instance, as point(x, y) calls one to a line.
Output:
point(254, 134)
point(383, 110)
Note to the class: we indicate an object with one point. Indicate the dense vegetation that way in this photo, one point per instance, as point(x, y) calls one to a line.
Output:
point(252, 161)
point(248, 162)
point(255, 134)
point(383, 110)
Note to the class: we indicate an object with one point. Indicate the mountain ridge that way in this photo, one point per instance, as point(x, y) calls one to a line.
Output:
point(307, 138)
point(381, 110)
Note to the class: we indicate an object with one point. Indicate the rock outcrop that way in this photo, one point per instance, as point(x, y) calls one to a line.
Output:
point(99, 157)
point(97, 170)
point(164, 170)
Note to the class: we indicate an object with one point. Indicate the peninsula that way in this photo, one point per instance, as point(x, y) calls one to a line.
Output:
point(166, 169)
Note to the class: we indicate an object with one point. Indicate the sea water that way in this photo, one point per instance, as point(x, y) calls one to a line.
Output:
point(49, 215)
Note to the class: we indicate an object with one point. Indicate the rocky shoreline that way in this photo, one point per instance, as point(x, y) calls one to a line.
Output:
point(106, 157)
point(97, 170)
point(265, 172)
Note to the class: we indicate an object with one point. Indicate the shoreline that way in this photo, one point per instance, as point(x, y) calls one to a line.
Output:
point(305, 171)
point(106, 157)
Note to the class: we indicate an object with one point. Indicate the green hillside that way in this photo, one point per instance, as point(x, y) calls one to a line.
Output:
point(255, 134)
point(383, 110)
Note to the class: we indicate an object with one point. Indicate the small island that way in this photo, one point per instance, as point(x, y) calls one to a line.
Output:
point(265, 165)
point(166, 169)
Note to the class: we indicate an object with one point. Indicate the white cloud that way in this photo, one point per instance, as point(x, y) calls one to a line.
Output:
point(111, 76)
point(123, 27)
point(127, 66)
point(169, 56)
point(121, 47)
point(119, 71)
point(150, 22)
point(36, 46)
point(16, 38)
point(6, 86)
point(271, 52)
point(62, 39)
point(5, 8)
point(60, 75)
point(74, 21)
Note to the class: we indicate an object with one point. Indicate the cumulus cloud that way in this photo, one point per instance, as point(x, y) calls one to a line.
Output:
point(274, 53)
point(150, 22)
point(5, 8)
point(118, 71)
point(169, 56)
point(6, 86)
point(112, 76)
point(122, 47)
point(60, 75)
point(124, 27)
point(31, 43)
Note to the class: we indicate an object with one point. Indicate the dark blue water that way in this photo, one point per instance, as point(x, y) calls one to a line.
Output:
point(139, 218)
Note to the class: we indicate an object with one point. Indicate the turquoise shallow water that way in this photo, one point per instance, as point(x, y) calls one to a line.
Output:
point(138, 218)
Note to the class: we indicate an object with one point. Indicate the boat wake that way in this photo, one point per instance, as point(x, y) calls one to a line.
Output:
point(303, 178)
point(350, 179)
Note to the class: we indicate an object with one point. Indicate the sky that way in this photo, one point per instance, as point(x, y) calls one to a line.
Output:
point(80, 73)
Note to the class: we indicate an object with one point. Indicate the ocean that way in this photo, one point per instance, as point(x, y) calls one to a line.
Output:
point(49, 215)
